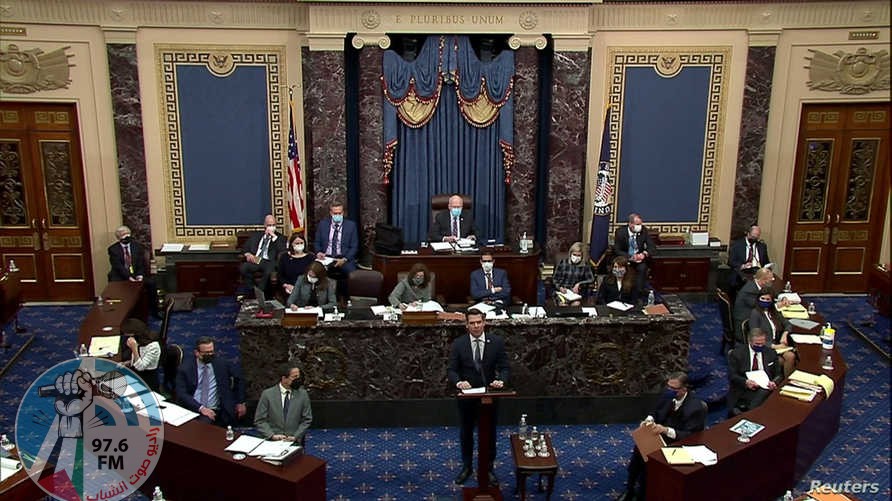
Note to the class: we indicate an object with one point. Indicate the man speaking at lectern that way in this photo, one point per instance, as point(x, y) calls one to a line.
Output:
point(477, 359)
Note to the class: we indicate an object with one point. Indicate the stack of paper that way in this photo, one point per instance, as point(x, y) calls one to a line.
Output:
point(175, 415)
point(170, 247)
point(822, 381)
point(103, 346)
point(590, 311)
point(568, 296)
point(8, 467)
point(482, 307)
point(244, 444)
point(424, 306)
point(799, 393)
point(794, 311)
point(305, 310)
point(619, 305)
point(702, 454)
point(760, 377)
point(501, 315)
point(805, 339)
point(200, 246)
point(283, 456)
point(441, 246)
point(677, 455)
point(804, 323)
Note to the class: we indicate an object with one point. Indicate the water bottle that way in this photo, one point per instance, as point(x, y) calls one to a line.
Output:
point(82, 351)
point(828, 363)
point(650, 298)
point(534, 435)
point(336, 315)
point(230, 435)
point(521, 428)
point(524, 243)
point(157, 495)
point(349, 305)
point(99, 301)
point(525, 311)
point(787, 287)
point(788, 496)
point(5, 445)
point(12, 267)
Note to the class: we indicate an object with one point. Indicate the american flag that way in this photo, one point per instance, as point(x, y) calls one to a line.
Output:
point(295, 182)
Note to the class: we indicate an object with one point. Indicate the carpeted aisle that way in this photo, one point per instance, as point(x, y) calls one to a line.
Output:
point(420, 463)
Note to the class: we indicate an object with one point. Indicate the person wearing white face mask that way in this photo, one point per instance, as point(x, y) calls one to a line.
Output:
point(294, 263)
point(572, 273)
point(261, 252)
point(635, 242)
point(490, 284)
point(313, 289)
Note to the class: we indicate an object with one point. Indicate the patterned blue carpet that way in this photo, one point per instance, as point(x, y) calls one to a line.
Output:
point(419, 463)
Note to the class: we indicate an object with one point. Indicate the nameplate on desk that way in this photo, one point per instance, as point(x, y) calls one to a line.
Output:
point(420, 317)
point(299, 319)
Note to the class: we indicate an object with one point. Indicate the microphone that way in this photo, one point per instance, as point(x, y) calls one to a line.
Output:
point(112, 384)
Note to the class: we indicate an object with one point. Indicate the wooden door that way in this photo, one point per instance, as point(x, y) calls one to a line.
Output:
point(839, 194)
point(43, 221)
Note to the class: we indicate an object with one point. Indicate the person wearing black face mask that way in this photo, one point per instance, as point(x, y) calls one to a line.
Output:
point(677, 414)
point(747, 255)
point(744, 393)
point(128, 264)
point(284, 411)
point(211, 386)
point(777, 328)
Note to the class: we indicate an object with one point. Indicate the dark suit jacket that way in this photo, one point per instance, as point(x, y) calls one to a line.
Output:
point(270, 420)
point(644, 240)
point(499, 279)
point(688, 419)
point(608, 292)
point(119, 271)
point(738, 250)
point(230, 386)
point(349, 241)
point(461, 361)
point(745, 302)
point(739, 363)
point(276, 247)
point(442, 226)
point(758, 319)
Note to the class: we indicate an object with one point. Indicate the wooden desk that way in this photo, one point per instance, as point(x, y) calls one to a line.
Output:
point(454, 272)
point(524, 467)
point(121, 300)
point(209, 273)
point(193, 465)
point(794, 436)
point(19, 487)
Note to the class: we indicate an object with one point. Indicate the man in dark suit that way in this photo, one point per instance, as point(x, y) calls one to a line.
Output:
point(746, 255)
point(453, 223)
point(210, 386)
point(635, 242)
point(261, 252)
point(128, 263)
point(677, 414)
point(476, 360)
point(283, 411)
point(756, 354)
point(747, 297)
point(490, 284)
point(337, 238)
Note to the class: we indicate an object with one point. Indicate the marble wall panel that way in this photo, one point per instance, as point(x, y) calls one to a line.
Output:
point(373, 204)
point(753, 126)
point(520, 194)
point(122, 66)
point(567, 150)
point(324, 132)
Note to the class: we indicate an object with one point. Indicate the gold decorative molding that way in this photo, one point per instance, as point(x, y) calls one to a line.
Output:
point(32, 70)
point(854, 73)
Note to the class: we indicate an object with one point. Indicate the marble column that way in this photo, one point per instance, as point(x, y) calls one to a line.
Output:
point(122, 66)
point(373, 203)
point(324, 132)
point(567, 150)
point(753, 126)
point(521, 193)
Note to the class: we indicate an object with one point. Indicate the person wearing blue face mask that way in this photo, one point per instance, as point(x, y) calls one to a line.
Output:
point(454, 223)
point(754, 355)
point(337, 238)
point(676, 415)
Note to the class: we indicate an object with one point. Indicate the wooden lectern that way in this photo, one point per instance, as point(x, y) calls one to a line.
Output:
point(484, 491)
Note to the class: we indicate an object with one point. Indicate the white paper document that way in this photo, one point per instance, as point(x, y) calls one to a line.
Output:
point(326, 260)
point(792, 297)
point(8, 467)
point(482, 307)
point(171, 247)
point(803, 323)
point(760, 377)
point(305, 310)
point(200, 247)
point(702, 454)
point(423, 306)
point(441, 246)
point(244, 443)
point(492, 315)
point(270, 448)
point(619, 305)
point(379, 309)
point(473, 391)
point(569, 295)
point(590, 311)
point(806, 338)
point(102, 346)
point(465, 242)
point(175, 415)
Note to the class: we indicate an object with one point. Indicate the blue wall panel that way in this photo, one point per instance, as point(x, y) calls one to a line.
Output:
point(225, 142)
point(661, 150)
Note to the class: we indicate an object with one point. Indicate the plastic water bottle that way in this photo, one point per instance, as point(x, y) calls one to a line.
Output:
point(230, 435)
point(650, 298)
point(12, 267)
point(534, 435)
point(524, 243)
point(82, 351)
point(521, 428)
point(788, 496)
point(157, 495)
point(787, 287)
point(5, 445)
point(99, 301)
point(336, 315)
point(525, 311)
point(349, 304)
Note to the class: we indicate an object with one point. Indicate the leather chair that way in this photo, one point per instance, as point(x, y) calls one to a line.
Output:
point(170, 363)
point(365, 287)
point(725, 312)
point(165, 320)
point(440, 202)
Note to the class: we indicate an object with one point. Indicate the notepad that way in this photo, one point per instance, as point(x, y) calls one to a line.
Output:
point(441, 246)
point(200, 247)
point(568, 296)
point(760, 377)
point(803, 394)
point(677, 455)
point(8, 467)
point(245, 444)
point(619, 305)
point(104, 346)
point(813, 379)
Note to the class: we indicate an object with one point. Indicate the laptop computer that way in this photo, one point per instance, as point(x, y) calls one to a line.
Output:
point(359, 313)
point(266, 306)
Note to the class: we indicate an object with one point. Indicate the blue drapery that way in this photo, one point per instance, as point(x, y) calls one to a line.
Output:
point(448, 127)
